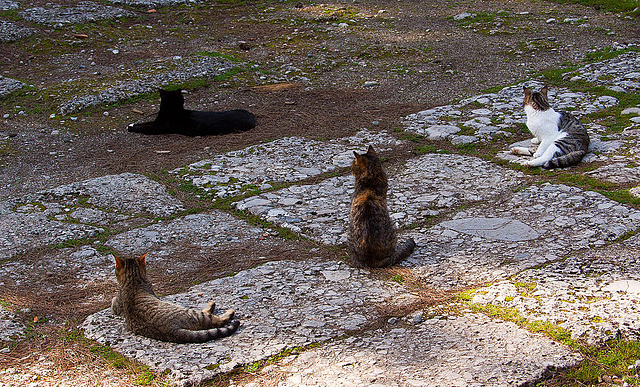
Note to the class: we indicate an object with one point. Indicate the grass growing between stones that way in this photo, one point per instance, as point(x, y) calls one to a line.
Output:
point(610, 361)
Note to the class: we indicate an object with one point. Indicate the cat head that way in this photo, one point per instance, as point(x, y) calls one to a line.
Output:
point(537, 100)
point(130, 267)
point(171, 99)
point(367, 164)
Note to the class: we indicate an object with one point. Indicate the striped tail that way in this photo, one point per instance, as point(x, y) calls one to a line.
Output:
point(403, 250)
point(188, 336)
point(571, 158)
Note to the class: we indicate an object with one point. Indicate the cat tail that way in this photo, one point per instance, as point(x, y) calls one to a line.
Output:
point(201, 336)
point(403, 250)
point(571, 158)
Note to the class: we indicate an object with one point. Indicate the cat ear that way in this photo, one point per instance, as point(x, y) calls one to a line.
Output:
point(544, 90)
point(119, 262)
point(141, 260)
point(371, 151)
point(527, 91)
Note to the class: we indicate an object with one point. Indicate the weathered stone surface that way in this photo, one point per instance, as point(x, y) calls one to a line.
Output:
point(565, 219)
point(85, 11)
point(29, 225)
point(595, 295)
point(147, 77)
point(470, 350)
point(420, 189)
point(501, 229)
point(280, 304)
point(283, 160)
point(216, 230)
point(80, 210)
point(127, 193)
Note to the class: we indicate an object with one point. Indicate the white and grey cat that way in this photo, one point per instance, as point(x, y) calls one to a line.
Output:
point(563, 139)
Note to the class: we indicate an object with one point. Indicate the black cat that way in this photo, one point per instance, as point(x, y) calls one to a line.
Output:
point(174, 118)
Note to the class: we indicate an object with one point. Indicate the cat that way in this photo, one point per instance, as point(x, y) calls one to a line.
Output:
point(563, 139)
point(372, 235)
point(173, 118)
point(145, 314)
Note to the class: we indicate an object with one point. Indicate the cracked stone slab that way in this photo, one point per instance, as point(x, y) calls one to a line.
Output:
point(421, 188)
point(81, 210)
point(215, 230)
point(594, 295)
point(287, 159)
point(83, 12)
point(534, 226)
point(280, 304)
point(126, 193)
point(469, 350)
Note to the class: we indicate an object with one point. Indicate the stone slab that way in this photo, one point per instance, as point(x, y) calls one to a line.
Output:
point(280, 304)
point(144, 78)
point(287, 159)
point(83, 12)
point(537, 225)
point(467, 351)
point(81, 210)
point(422, 188)
point(594, 295)
point(216, 230)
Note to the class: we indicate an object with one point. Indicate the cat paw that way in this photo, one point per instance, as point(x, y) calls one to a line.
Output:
point(210, 308)
point(228, 315)
point(535, 141)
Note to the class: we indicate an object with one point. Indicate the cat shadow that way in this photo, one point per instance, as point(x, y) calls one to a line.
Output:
point(173, 118)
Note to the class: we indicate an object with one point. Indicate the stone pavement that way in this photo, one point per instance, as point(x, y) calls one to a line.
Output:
point(552, 252)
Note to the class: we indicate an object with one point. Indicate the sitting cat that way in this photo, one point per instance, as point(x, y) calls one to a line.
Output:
point(563, 139)
point(372, 235)
point(173, 118)
point(145, 314)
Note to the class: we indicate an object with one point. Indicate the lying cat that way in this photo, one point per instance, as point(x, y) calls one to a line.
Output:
point(563, 139)
point(173, 118)
point(372, 240)
point(149, 316)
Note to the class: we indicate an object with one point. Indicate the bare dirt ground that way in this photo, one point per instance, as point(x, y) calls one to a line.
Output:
point(349, 65)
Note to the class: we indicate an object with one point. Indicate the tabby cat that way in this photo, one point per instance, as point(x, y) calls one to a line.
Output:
point(563, 139)
point(149, 316)
point(174, 118)
point(372, 235)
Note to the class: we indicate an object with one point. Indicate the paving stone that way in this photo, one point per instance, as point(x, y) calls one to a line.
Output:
point(287, 159)
point(215, 230)
point(420, 189)
point(532, 227)
point(81, 210)
point(280, 304)
point(83, 12)
point(10, 32)
point(469, 350)
point(593, 295)
point(127, 193)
